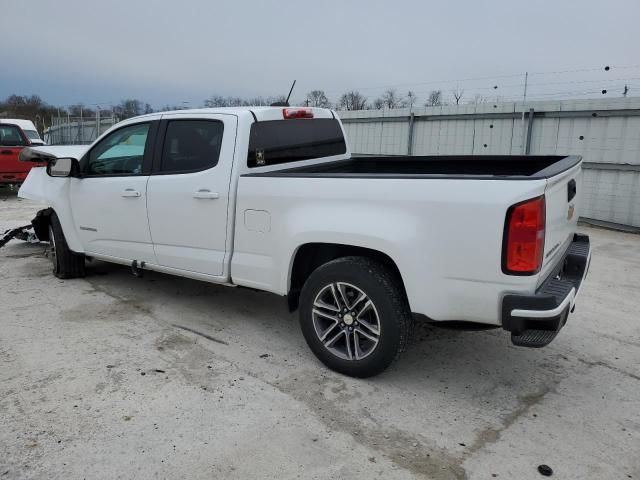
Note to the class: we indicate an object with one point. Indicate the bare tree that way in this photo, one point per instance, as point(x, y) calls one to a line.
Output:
point(457, 94)
point(277, 99)
point(389, 99)
point(235, 101)
point(352, 100)
point(434, 99)
point(478, 99)
point(169, 108)
point(215, 101)
point(28, 107)
point(317, 98)
point(128, 108)
point(378, 104)
point(75, 110)
point(257, 101)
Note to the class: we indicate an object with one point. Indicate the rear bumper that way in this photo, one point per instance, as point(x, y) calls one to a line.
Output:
point(535, 320)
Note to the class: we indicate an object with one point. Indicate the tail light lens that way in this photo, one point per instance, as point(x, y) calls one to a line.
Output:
point(523, 247)
point(289, 113)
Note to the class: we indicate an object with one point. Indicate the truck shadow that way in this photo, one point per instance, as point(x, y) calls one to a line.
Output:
point(262, 322)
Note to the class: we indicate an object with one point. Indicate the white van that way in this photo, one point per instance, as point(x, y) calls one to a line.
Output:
point(27, 127)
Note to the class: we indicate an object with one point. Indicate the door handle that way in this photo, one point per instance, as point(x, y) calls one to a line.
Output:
point(130, 192)
point(206, 194)
point(572, 189)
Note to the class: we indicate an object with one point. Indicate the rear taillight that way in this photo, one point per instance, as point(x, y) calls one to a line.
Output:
point(289, 113)
point(523, 246)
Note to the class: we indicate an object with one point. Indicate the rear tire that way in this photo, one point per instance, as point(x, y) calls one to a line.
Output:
point(66, 264)
point(355, 316)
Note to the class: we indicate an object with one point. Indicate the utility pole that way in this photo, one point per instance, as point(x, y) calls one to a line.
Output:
point(98, 121)
point(524, 100)
point(81, 126)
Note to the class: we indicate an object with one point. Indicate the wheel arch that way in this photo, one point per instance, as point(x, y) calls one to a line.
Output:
point(41, 224)
point(310, 256)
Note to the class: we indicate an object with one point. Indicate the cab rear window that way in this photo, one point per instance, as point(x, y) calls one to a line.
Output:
point(283, 141)
point(10, 136)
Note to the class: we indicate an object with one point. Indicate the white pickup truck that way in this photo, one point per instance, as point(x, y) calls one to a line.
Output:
point(271, 199)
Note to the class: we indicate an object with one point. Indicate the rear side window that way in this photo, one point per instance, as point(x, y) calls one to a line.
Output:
point(191, 145)
point(282, 141)
point(10, 136)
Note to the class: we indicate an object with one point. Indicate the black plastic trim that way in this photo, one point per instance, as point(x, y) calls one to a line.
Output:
point(556, 168)
point(568, 274)
point(572, 189)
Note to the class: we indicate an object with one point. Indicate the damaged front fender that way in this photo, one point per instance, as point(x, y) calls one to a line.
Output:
point(38, 231)
point(41, 224)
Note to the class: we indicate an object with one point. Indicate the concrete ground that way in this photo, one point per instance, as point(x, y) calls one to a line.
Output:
point(118, 377)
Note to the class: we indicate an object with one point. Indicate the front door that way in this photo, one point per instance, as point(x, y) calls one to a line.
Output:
point(109, 200)
point(188, 193)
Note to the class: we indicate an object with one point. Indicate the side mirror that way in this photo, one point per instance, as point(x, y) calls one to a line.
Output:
point(62, 167)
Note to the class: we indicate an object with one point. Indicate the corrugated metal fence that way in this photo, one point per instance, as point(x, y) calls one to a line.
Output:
point(605, 132)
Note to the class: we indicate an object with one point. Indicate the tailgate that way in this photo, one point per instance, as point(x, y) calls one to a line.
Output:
point(562, 198)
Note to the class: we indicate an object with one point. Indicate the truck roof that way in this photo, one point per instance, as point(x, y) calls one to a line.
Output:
point(261, 113)
point(23, 124)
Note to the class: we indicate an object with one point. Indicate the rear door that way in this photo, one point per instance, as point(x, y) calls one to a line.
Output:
point(562, 199)
point(188, 193)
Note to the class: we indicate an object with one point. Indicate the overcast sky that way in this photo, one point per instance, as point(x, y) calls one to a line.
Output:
point(167, 51)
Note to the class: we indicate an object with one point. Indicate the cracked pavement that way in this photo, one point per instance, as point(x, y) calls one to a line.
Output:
point(114, 376)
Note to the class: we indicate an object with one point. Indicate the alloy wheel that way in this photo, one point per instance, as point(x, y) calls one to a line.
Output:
point(346, 321)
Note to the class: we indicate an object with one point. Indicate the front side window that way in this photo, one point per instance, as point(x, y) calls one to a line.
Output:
point(282, 141)
point(120, 153)
point(10, 136)
point(191, 145)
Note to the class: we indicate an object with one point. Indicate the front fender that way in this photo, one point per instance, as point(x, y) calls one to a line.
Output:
point(54, 193)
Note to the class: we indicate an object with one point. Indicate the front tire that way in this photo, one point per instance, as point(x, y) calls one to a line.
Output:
point(355, 316)
point(66, 264)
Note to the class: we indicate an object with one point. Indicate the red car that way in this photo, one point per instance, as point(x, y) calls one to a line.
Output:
point(14, 136)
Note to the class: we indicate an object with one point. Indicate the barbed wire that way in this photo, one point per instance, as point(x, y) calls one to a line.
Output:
point(463, 83)
point(488, 84)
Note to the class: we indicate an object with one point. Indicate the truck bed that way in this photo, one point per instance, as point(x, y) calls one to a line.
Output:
point(459, 166)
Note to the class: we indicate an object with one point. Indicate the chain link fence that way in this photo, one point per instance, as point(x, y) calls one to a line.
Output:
point(77, 130)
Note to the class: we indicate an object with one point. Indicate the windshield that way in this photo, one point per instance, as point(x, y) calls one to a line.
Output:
point(32, 134)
